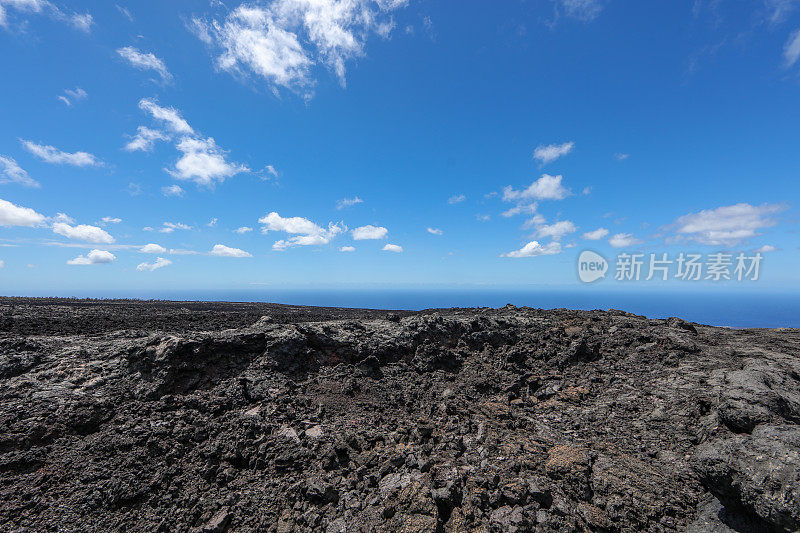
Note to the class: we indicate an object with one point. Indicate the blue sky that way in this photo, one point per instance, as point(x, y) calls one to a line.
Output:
point(365, 143)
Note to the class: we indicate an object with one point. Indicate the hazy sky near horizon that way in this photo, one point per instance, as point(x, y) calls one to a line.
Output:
point(196, 144)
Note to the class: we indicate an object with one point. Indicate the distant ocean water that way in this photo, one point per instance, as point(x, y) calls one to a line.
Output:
point(737, 310)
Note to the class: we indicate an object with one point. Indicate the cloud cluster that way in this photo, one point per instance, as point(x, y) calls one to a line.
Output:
point(11, 172)
point(201, 160)
point(727, 226)
point(220, 250)
point(306, 232)
point(533, 249)
point(282, 40)
point(51, 154)
point(369, 232)
point(545, 188)
point(145, 61)
point(83, 232)
point(550, 152)
point(79, 21)
point(160, 262)
point(95, 257)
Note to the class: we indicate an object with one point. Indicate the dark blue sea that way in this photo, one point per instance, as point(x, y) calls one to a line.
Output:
point(731, 309)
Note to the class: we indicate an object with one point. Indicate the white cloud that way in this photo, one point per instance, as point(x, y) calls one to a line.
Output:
point(81, 22)
point(169, 227)
point(3, 264)
point(169, 115)
point(125, 12)
point(527, 209)
point(160, 262)
point(347, 202)
point(271, 171)
point(283, 40)
point(533, 249)
point(172, 190)
point(95, 257)
point(50, 154)
point(536, 220)
point(14, 215)
point(791, 50)
point(307, 232)
point(621, 157)
point(152, 249)
point(545, 188)
point(145, 139)
point(556, 230)
point(766, 249)
point(727, 226)
point(623, 240)
point(212, 222)
point(550, 152)
point(369, 232)
point(585, 10)
point(11, 172)
point(111, 220)
point(242, 230)
point(392, 248)
point(72, 95)
point(347, 249)
point(483, 218)
point(220, 250)
point(83, 232)
point(63, 217)
point(596, 235)
point(145, 61)
point(435, 231)
point(204, 162)
point(456, 199)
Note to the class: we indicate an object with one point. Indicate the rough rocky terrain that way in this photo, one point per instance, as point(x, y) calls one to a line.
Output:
point(204, 417)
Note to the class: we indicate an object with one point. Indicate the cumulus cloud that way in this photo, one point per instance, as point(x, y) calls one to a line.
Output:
point(556, 230)
point(63, 217)
point(545, 188)
point(14, 215)
point(145, 139)
point(791, 50)
point(726, 226)
point(203, 162)
point(71, 96)
point(95, 257)
point(172, 190)
point(395, 248)
point(623, 240)
point(83, 232)
point(242, 230)
point(160, 262)
point(456, 199)
point(51, 154)
point(347, 249)
point(306, 232)
point(596, 235)
point(533, 249)
point(220, 250)
point(169, 227)
point(766, 249)
point(145, 61)
point(369, 232)
point(282, 40)
point(547, 153)
point(435, 231)
point(11, 172)
point(348, 202)
point(152, 249)
point(111, 220)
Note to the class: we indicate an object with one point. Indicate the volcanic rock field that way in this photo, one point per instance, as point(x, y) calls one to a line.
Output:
point(210, 417)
